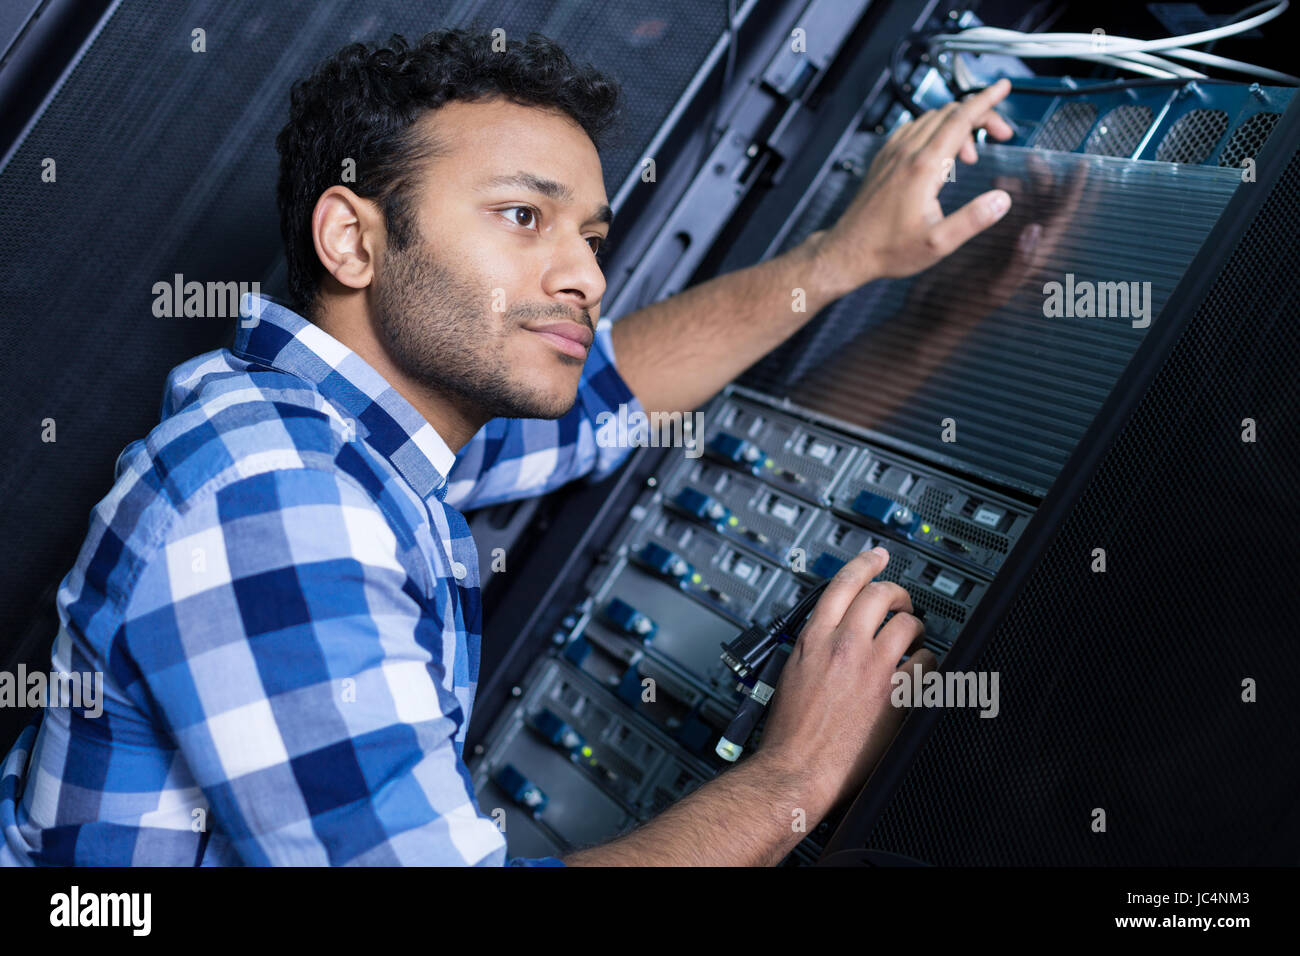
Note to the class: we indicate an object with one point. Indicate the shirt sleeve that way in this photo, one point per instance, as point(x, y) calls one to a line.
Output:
point(512, 458)
point(300, 670)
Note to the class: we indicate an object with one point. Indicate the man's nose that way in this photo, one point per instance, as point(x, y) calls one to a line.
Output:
point(575, 275)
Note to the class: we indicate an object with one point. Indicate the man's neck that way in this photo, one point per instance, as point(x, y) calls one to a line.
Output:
point(453, 423)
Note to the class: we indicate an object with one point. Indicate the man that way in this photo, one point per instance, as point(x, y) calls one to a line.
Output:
point(280, 589)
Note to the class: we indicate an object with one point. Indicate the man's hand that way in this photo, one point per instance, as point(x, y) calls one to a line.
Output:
point(831, 717)
point(830, 721)
point(894, 226)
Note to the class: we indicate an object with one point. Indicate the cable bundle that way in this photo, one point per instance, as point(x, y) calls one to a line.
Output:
point(1125, 53)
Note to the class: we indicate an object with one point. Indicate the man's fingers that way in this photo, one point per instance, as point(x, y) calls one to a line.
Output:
point(997, 127)
point(971, 219)
point(910, 138)
point(901, 632)
point(843, 589)
point(918, 644)
point(936, 120)
point(924, 125)
point(923, 658)
point(957, 126)
point(987, 98)
point(922, 131)
point(906, 137)
point(995, 124)
point(946, 132)
point(965, 117)
point(1012, 185)
point(862, 619)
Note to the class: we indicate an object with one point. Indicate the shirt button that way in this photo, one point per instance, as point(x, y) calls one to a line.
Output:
point(458, 569)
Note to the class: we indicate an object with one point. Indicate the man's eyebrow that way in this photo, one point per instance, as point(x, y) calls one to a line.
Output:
point(548, 188)
point(538, 184)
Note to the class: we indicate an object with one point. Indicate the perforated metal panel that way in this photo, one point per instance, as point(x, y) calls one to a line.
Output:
point(1065, 128)
point(1193, 137)
point(901, 357)
point(1119, 131)
point(1248, 138)
point(1124, 691)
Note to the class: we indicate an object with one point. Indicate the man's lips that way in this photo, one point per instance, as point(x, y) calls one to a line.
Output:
point(569, 337)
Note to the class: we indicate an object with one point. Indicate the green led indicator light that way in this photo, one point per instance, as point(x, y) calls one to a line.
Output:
point(733, 521)
point(696, 579)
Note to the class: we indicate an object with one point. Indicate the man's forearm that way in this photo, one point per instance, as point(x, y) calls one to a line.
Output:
point(677, 354)
point(751, 815)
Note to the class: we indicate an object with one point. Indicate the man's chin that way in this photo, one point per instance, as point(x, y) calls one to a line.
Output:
point(529, 400)
point(550, 394)
point(551, 407)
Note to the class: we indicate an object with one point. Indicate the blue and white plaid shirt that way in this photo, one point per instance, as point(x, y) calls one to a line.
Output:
point(283, 598)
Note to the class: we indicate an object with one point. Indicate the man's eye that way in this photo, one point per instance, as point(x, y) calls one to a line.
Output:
point(596, 243)
point(529, 216)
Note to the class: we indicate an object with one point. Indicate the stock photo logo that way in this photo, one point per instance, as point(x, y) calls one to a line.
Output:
point(1103, 300)
point(636, 429)
point(81, 690)
point(207, 300)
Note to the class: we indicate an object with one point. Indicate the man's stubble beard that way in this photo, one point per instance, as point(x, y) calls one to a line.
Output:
point(436, 335)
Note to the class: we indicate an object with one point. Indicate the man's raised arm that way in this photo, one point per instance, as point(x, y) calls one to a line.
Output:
point(676, 354)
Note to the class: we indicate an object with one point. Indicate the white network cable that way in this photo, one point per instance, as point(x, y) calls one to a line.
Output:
point(1124, 53)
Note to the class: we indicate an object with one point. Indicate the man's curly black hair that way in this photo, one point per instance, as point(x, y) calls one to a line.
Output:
point(361, 103)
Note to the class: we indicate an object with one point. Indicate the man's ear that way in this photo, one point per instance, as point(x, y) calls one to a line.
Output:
point(347, 231)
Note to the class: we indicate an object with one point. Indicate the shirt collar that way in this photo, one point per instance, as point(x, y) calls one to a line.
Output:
point(270, 334)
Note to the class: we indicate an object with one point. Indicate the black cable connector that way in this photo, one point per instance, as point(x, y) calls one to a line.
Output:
point(742, 725)
point(775, 640)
